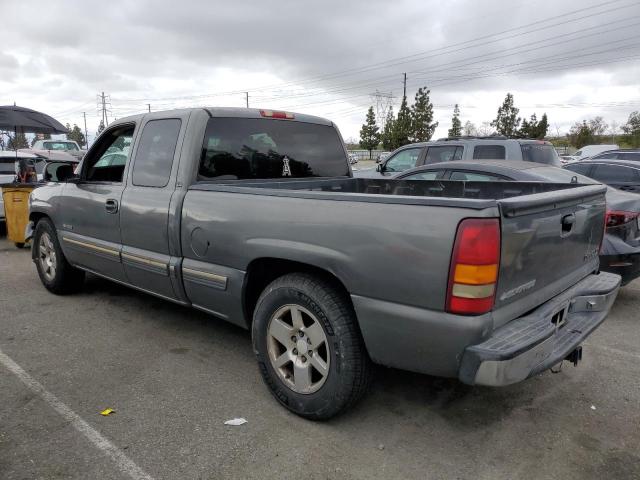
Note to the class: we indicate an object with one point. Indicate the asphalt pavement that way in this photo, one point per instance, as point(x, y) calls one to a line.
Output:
point(174, 375)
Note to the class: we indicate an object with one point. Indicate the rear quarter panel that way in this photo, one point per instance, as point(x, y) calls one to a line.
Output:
point(398, 253)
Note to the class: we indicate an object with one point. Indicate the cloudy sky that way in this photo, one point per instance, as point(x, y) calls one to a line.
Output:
point(573, 59)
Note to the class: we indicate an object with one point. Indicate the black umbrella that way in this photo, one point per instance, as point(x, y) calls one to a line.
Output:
point(27, 120)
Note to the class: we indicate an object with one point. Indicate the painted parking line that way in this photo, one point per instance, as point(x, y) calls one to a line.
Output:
point(121, 461)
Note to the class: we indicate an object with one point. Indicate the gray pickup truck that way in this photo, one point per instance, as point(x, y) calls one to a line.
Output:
point(254, 216)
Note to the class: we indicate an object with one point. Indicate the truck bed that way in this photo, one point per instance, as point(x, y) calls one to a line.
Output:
point(478, 195)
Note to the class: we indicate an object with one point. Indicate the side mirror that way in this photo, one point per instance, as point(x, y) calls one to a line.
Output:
point(380, 168)
point(58, 172)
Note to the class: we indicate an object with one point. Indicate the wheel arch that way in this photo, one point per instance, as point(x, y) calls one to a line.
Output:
point(262, 271)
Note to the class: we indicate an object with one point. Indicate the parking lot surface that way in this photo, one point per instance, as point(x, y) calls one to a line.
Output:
point(174, 375)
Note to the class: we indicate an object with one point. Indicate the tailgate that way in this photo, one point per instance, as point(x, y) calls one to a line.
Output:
point(550, 241)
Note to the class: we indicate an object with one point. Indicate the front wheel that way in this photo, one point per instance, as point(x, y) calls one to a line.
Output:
point(55, 272)
point(308, 346)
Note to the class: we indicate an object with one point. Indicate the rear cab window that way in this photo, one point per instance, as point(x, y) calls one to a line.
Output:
point(256, 148)
point(489, 152)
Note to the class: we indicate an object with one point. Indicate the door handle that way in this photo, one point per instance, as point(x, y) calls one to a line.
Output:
point(111, 206)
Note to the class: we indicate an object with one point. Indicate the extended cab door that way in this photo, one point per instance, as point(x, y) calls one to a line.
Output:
point(90, 207)
point(144, 217)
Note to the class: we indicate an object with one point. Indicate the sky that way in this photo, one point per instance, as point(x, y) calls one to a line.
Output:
point(573, 59)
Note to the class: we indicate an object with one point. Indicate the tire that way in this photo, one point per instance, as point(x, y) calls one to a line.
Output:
point(55, 272)
point(19, 244)
point(338, 368)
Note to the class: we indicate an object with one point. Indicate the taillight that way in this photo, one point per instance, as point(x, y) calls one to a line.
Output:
point(615, 218)
point(474, 266)
point(275, 114)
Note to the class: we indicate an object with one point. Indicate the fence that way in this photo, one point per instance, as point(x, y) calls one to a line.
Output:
point(364, 154)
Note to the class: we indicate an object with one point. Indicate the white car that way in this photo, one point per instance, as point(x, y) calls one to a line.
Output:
point(589, 151)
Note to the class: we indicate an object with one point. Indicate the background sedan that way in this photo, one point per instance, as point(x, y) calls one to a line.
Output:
point(620, 252)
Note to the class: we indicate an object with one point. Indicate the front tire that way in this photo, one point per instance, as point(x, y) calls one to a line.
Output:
point(55, 272)
point(308, 346)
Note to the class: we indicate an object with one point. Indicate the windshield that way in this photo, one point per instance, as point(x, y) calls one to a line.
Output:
point(243, 148)
point(65, 146)
point(540, 153)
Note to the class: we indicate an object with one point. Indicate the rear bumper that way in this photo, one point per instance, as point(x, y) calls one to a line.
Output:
point(627, 266)
point(533, 343)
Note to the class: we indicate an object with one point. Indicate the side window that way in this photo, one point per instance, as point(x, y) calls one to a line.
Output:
point(403, 160)
point(579, 168)
point(629, 156)
point(613, 174)
point(607, 156)
point(578, 153)
point(474, 177)
point(444, 153)
point(489, 152)
point(423, 175)
point(108, 159)
point(154, 156)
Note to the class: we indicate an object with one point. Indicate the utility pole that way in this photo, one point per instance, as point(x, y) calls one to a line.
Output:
point(86, 135)
point(404, 88)
point(149, 105)
point(103, 101)
point(247, 98)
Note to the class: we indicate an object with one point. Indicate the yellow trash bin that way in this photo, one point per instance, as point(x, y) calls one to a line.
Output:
point(16, 211)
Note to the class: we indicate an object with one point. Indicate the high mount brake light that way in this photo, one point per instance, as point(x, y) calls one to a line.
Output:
point(615, 218)
point(276, 114)
point(474, 267)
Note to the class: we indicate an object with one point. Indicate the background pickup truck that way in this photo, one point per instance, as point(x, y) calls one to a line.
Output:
point(254, 217)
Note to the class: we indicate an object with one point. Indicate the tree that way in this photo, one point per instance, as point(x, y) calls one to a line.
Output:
point(486, 130)
point(369, 135)
point(543, 127)
point(101, 127)
point(422, 124)
point(469, 129)
point(76, 135)
point(17, 141)
point(387, 133)
point(581, 134)
point(597, 126)
point(402, 127)
point(456, 124)
point(632, 128)
point(507, 120)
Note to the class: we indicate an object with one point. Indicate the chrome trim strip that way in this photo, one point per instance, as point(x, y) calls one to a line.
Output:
point(145, 260)
point(91, 246)
point(207, 275)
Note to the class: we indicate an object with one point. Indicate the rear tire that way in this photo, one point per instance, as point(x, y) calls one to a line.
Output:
point(309, 348)
point(55, 272)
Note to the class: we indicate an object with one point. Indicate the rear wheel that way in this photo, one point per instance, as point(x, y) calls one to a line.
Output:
point(56, 274)
point(308, 346)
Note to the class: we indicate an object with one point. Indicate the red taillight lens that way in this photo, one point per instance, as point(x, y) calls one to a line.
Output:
point(615, 218)
point(474, 267)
